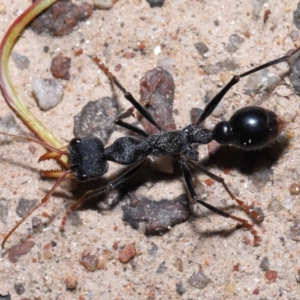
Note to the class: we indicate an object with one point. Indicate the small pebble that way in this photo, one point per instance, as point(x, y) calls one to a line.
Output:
point(234, 43)
point(71, 282)
point(294, 35)
point(261, 81)
point(282, 101)
point(274, 205)
point(201, 48)
point(36, 222)
point(230, 288)
point(287, 203)
point(116, 246)
point(24, 205)
point(294, 189)
point(297, 16)
point(180, 288)
point(22, 62)
point(46, 49)
point(298, 275)
point(60, 67)
point(8, 124)
point(153, 249)
point(236, 39)
point(199, 280)
point(156, 3)
point(19, 288)
point(294, 63)
point(271, 276)
point(226, 65)
point(128, 253)
point(47, 254)
point(48, 92)
point(266, 15)
point(265, 264)
point(101, 264)
point(179, 264)
point(103, 4)
point(162, 268)
point(258, 6)
point(15, 252)
point(2, 8)
point(157, 50)
point(4, 210)
point(90, 262)
point(294, 231)
point(74, 219)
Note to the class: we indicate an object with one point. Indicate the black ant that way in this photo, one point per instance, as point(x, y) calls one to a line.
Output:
point(249, 128)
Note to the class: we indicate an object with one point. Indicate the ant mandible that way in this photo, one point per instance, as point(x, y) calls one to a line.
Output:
point(249, 128)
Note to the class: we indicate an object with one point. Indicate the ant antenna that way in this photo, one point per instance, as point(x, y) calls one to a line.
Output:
point(37, 141)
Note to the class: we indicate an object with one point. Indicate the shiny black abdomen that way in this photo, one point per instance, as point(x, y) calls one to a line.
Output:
point(254, 127)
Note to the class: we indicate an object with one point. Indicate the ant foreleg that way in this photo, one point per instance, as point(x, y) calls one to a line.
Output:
point(248, 210)
point(235, 79)
point(140, 108)
point(190, 186)
point(93, 193)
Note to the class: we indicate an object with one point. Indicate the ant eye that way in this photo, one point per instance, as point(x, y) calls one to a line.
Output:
point(75, 141)
point(82, 177)
point(73, 168)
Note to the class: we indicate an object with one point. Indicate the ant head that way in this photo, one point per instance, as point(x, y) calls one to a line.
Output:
point(86, 158)
point(85, 161)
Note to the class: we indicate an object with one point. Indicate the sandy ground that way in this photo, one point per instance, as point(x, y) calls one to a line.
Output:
point(230, 261)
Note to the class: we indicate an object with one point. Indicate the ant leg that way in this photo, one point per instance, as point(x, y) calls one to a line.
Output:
point(235, 79)
point(92, 193)
point(140, 108)
point(43, 201)
point(128, 126)
point(190, 186)
point(248, 210)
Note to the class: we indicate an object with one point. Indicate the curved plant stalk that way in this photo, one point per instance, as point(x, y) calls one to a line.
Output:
point(9, 92)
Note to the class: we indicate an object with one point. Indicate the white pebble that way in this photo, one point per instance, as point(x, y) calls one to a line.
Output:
point(48, 92)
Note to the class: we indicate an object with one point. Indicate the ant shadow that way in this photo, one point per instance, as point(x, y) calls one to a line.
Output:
point(246, 162)
point(225, 157)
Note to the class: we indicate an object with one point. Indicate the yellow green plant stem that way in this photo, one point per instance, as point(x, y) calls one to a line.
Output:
point(9, 92)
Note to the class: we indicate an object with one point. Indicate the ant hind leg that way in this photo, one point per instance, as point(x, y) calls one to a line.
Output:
point(190, 186)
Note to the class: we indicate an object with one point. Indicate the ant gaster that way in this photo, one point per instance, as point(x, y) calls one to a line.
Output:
point(248, 128)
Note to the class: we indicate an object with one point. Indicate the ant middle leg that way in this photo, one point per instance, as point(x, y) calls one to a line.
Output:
point(190, 186)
